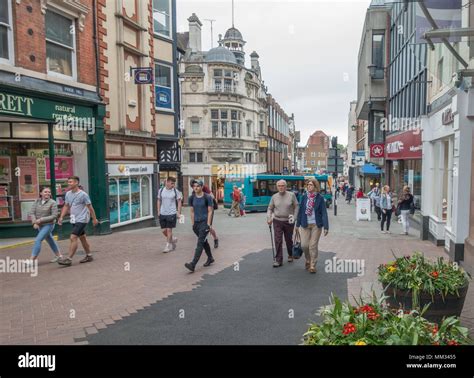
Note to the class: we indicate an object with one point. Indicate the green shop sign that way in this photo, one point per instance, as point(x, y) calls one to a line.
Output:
point(33, 107)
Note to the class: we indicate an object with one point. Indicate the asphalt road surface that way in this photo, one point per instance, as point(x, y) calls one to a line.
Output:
point(254, 305)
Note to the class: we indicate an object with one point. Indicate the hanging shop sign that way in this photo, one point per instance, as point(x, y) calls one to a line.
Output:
point(377, 150)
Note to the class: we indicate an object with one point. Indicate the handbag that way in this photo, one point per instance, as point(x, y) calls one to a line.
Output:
point(215, 204)
point(297, 249)
point(412, 208)
point(398, 212)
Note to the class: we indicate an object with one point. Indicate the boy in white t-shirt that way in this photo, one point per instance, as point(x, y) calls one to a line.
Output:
point(169, 210)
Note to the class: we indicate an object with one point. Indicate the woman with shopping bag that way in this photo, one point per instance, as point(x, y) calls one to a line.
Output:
point(312, 219)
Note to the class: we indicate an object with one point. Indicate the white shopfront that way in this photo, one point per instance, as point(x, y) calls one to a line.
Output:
point(130, 193)
point(447, 147)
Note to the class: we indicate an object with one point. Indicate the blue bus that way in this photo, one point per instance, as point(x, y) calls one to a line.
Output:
point(260, 188)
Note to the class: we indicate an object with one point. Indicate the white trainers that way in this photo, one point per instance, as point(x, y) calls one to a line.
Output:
point(56, 259)
point(168, 248)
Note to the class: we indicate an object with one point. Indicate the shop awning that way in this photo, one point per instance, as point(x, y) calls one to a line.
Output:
point(370, 169)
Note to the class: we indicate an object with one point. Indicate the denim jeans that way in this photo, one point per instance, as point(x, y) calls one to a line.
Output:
point(45, 232)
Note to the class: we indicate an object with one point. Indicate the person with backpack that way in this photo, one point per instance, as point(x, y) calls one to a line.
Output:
point(201, 205)
point(169, 205)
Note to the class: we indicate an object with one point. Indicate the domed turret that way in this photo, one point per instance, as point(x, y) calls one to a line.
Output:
point(220, 54)
point(234, 41)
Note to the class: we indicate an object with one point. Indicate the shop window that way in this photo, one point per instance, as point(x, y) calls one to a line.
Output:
point(113, 201)
point(162, 17)
point(30, 131)
point(6, 32)
point(124, 199)
point(60, 44)
point(146, 196)
point(25, 168)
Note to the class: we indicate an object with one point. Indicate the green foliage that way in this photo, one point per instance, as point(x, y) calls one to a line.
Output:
point(372, 323)
point(419, 274)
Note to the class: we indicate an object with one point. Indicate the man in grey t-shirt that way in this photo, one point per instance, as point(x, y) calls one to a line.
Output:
point(169, 210)
point(79, 206)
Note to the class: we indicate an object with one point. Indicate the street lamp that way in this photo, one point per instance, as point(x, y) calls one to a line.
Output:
point(354, 127)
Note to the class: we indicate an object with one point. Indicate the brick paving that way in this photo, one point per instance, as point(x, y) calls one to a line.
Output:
point(64, 304)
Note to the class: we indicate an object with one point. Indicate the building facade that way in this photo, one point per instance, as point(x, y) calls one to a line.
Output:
point(224, 110)
point(407, 102)
point(279, 153)
point(372, 87)
point(167, 99)
point(447, 142)
point(317, 152)
point(126, 42)
point(51, 111)
point(349, 166)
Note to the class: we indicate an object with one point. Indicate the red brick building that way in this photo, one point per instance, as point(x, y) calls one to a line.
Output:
point(317, 151)
point(51, 112)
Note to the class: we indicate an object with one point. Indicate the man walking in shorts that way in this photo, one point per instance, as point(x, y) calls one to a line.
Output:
point(79, 206)
point(169, 210)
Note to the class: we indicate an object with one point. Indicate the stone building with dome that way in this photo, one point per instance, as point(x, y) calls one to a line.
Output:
point(224, 110)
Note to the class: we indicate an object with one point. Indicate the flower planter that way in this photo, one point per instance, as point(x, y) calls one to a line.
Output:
point(450, 305)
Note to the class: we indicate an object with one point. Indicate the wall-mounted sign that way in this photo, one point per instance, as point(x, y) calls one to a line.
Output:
point(130, 169)
point(447, 117)
point(407, 145)
point(163, 97)
point(25, 106)
point(263, 144)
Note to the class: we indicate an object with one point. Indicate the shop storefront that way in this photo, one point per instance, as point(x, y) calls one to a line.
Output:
point(132, 188)
point(447, 152)
point(43, 141)
point(404, 163)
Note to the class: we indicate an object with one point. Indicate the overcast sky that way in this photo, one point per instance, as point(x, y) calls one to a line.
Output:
point(308, 52)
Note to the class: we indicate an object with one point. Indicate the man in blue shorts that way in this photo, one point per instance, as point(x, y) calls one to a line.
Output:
point(79, 206)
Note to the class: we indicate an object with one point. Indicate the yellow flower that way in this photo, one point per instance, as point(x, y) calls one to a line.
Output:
point(360, 342)
point(391, 269)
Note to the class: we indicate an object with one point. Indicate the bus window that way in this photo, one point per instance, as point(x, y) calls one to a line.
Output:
point(272, 188)
point(256, 191)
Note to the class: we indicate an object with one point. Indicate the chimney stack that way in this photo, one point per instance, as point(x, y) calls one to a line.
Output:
point(194, 33)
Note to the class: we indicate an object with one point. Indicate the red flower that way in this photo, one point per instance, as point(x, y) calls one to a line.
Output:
point(435, 329)
point(453, 342)
point(434, 274)
point(373, 315)
point(348, 328)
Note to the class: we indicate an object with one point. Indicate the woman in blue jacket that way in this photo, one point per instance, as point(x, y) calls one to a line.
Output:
point(312, 219)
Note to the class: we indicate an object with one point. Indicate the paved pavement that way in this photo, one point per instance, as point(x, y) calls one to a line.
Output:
point(132, 287)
